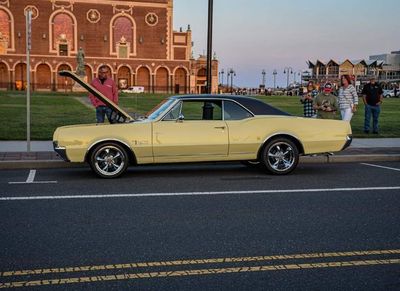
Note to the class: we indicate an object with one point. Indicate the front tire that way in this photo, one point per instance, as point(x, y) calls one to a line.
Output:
point(280, 156)
point(109, 160)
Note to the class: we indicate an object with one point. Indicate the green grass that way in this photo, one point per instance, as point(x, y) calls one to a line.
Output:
point(50, 110)
point(389, 120)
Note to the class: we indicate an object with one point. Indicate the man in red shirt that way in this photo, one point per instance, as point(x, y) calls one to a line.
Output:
point(107, 87)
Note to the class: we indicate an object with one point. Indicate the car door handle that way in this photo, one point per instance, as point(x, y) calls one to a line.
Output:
point(219, 127)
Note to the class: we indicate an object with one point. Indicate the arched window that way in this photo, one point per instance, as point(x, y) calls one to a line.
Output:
point(6, 40)
point(123, 36)
point(180, 81)
point(63, 33)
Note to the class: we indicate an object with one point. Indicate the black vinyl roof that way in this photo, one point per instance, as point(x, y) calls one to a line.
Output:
point(256, 106)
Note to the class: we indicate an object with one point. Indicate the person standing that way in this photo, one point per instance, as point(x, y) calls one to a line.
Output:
point(107, 87)
point(372, 95)
point(307, 99)
point(347, 98)
point(326, 103)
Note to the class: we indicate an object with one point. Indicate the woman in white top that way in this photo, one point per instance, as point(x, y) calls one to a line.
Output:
point(347, 98)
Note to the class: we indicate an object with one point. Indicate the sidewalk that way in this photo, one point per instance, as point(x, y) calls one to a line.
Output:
point(13, 154)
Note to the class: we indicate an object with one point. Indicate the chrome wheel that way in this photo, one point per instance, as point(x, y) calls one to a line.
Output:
point(109, 160)
point(280, 156)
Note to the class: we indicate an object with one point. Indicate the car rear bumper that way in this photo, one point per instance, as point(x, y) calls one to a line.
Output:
point(349, 139)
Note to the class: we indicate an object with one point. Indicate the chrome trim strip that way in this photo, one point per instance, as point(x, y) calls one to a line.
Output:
point(223, 100)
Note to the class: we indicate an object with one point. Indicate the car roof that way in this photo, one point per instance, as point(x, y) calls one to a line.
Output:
point(256, 106)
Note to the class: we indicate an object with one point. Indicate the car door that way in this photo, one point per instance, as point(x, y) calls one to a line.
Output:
point(244, 139)
point(192, 131)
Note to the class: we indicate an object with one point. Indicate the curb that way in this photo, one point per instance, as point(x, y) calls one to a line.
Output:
point(55, 164)
point(39, 164)
point(350, 158)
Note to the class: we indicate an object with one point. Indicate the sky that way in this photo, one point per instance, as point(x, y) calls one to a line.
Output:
point(252, 35)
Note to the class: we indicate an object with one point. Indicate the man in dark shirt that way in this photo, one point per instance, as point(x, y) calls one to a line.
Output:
point(372, 95)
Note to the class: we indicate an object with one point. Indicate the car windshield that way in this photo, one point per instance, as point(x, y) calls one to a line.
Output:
point(159, 109)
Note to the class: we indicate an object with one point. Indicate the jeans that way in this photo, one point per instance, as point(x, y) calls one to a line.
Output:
point(374, 110)
point(101, 112)
point(346, 114)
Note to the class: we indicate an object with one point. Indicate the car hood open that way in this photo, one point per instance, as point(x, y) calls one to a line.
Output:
point(118, 115)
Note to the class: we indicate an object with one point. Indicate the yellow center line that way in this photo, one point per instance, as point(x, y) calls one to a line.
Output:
point(198, 272)
point(196, 262)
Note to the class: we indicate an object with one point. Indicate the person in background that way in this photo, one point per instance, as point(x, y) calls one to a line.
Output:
point(107, 87)
point(372, 95)
point(307, 99)
point(347, 98)
point(326, 103)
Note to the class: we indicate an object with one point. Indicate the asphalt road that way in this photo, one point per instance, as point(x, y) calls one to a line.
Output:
point(202, 227)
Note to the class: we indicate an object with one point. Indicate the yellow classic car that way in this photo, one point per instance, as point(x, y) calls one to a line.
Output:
point(200, 128)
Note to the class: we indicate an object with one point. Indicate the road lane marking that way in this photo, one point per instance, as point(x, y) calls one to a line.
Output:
point(167, 194)
point(31, 176)
point(378, 166)
point(31, 180)
point(199, 272)
point(197, 262)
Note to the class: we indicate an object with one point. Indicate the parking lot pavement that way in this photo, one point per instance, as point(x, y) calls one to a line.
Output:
point(201, 227)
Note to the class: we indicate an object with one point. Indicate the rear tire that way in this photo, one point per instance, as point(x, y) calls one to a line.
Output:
point(109, 160)
point(280, 156)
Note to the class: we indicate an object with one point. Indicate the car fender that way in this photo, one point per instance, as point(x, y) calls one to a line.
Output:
point(129, 149)
point(291, 136)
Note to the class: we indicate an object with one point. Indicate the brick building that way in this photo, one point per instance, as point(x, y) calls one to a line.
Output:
point(135, 39)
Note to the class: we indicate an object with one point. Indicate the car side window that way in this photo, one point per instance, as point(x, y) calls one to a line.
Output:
point(233, 111)
point(173, 114)
point(202, 110)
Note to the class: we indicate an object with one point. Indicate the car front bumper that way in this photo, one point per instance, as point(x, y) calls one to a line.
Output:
point(61, 151)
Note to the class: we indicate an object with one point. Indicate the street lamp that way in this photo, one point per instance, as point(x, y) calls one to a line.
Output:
point(294, 74)
point(275, 73)
point(231, 73)
point(263, 77)
point(222, 77)
point(287, 71)
point(300, 74)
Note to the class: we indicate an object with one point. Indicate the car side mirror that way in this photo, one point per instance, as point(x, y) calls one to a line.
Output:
point(181, 117)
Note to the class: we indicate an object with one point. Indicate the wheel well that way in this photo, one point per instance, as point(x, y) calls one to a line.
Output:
point(131, 155)
point(290, 137)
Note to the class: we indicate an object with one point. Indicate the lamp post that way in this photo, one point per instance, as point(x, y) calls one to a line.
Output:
point(275, 73)
point(231, 73)
point(209, 45)
point(300, 74)
point(222, 77)
point(263, 77)
point(294, 74)
point(287, 71)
